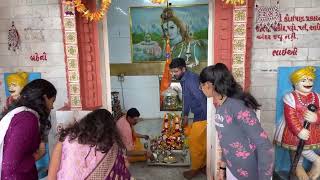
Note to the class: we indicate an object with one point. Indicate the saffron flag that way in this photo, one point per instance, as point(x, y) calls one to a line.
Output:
point(166, 75)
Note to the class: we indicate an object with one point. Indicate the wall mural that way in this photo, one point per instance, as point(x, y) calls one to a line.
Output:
point(187, 27)
point(18, 79)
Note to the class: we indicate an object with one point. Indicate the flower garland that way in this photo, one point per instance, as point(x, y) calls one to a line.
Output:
point(235, 2)
point(92, 16)
point(171, 133)
point(158, 1)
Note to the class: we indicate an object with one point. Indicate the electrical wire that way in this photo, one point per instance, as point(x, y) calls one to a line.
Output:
point(121, 81)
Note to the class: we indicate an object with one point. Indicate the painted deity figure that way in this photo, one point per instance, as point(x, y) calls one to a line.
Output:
point(15, 82)
point(291, 129)
point(181, 42)
point(147, 49)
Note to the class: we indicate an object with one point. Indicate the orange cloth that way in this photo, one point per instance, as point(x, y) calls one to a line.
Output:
point(198, 144)
point(166, 76)
point(187, 130)
point(138, 146)
point(129, 139)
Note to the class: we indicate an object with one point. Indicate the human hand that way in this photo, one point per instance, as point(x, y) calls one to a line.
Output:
point(40, 152)
point(150, 156)
point(310, 116)
point(304, 134)
point(126, 161)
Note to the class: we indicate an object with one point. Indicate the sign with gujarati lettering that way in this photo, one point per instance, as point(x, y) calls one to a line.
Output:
point(39, 57)
point(285, 30)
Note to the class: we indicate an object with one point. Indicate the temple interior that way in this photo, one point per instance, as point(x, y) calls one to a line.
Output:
point(118, 55)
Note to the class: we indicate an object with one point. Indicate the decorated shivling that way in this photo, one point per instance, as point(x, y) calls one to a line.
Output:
point(170, 147)
point(171, 134)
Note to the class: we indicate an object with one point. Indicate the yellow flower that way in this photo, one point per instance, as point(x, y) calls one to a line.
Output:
point(235, 2)
point(158, 1)
point(92, 16)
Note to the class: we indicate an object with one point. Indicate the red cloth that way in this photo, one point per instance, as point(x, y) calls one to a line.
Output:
point(294, 123)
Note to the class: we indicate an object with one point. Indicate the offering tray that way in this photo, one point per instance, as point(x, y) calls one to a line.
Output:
point(180, 158)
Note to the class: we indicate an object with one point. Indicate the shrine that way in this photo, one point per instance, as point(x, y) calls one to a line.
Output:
point(159, 89)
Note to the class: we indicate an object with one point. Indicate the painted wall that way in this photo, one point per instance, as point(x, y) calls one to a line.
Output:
point(39, 25)
point(265, 61)
point(138, 91)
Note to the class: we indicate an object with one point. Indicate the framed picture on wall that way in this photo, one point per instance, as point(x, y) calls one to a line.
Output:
point(186, 27)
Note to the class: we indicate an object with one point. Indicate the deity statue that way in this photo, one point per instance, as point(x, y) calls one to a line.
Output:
point(15, 82)
point(291, 129)
point(181, 42)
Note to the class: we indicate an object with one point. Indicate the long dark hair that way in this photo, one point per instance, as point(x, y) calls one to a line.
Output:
point(32, 96)
point(225, 84)
point(97, 129)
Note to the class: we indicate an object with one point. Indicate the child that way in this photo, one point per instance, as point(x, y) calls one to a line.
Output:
point(89, 149)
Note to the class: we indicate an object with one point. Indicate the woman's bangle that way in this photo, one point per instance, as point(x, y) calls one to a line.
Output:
point(223, 168)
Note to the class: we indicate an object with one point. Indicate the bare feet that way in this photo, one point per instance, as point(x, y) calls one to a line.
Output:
point(301, 173)
point(190, 174)
point(315, 170)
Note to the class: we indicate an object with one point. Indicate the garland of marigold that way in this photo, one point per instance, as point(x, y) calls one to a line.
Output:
point(158, 1)
point(235, 2)
point(92, 16)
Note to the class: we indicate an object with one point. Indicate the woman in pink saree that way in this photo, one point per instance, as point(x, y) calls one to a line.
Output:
point(90, 149)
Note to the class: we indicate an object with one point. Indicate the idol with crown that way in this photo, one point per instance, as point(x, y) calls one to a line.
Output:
point(291, 129)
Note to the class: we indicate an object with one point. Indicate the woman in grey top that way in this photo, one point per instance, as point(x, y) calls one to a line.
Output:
point(246, 150)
